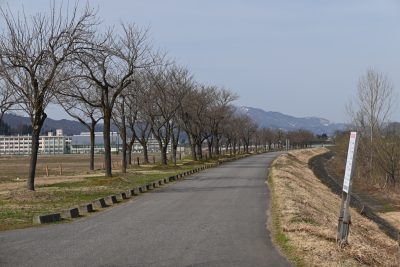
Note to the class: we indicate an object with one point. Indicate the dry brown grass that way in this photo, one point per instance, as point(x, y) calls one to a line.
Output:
point(307, 215)
point(392, 217)
point(13, 167)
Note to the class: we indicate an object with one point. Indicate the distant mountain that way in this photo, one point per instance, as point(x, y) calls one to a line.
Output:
point(276, 120)
point(267, 119)
point(70, 127)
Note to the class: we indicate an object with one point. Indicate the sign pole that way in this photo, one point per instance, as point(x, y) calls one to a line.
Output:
point(344, 216)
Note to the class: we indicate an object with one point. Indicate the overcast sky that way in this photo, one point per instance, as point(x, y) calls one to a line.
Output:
point(301, 58)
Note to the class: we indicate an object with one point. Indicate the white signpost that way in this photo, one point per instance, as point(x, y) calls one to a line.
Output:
point(344, 216)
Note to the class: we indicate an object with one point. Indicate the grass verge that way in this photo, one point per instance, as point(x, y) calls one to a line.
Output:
point(278, 236)
point(304, 220)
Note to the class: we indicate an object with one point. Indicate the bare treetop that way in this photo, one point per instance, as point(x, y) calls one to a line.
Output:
point(34, 50)
point(33, 53)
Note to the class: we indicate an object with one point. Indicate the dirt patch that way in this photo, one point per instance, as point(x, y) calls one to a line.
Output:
point(305, 215)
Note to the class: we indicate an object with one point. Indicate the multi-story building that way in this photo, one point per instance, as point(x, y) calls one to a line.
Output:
point(60, 144)
point(48, 144)
point(80, 144)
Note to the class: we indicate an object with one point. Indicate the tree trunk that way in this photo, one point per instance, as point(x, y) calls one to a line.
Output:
point(145, 153)
point(228, 147)
point(130, 148)
point(123, 137)
point(163, 151)
point(92, 140)
point(129, 154)
point(199, 151)
point(217, 151)
point(209, 145)
point(174, 149)
point(36, 128)
point(124, 147)
point(193, 151)
point(107, 143)
point(192, 147)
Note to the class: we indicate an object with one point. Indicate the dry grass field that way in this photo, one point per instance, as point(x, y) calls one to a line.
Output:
point(13, 167)
point(305, 214)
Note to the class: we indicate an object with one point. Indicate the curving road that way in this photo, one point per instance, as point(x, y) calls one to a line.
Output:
point(214, 218)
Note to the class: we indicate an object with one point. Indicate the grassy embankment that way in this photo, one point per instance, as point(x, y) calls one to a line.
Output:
point(57, 192)
point(304, 220)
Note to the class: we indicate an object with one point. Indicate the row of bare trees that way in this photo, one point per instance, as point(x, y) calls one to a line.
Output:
point(70, 60)
point(94, 74)
point(116, 77)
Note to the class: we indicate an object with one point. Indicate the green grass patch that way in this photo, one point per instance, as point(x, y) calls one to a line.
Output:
point(387, 207)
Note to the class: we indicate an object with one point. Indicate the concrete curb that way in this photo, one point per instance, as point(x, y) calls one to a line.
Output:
point(86, 208)
point(111, 200)
point(119, 197)
point(134, 192)
point(124, 195)
point(49, 218)
point(142, 189)
point(70, 213)
point(149, 187)
point(100, 203)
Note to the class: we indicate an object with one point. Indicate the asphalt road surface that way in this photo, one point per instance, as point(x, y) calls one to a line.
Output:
point(214, 218)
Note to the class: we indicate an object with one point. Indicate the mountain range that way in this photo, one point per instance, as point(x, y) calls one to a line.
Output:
point(277, 120)
point(69, 126)
point(267, 119)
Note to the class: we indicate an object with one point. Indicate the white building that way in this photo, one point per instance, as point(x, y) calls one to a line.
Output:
point(80, 144)
point(21, 144)
point(60, 144)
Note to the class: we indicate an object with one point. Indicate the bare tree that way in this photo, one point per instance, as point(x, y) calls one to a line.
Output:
point(181, 82)
point(109, 62)
point(371, 112)
point(86, 114)
point(119, 118)
point(220, 111)
point(387, 149)
point(246, 130)
point(166, 95)
point(7, 98)
point(132, 111)
point(33, 52)
point(193, 119)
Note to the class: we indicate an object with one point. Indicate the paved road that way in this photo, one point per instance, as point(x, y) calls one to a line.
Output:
point(214, 218)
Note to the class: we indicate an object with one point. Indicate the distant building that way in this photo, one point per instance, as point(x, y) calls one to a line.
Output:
point(21, 144)
point(80, 144)
point(77, 144)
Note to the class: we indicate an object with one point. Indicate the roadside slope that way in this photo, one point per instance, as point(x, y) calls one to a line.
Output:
point(305, 214)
